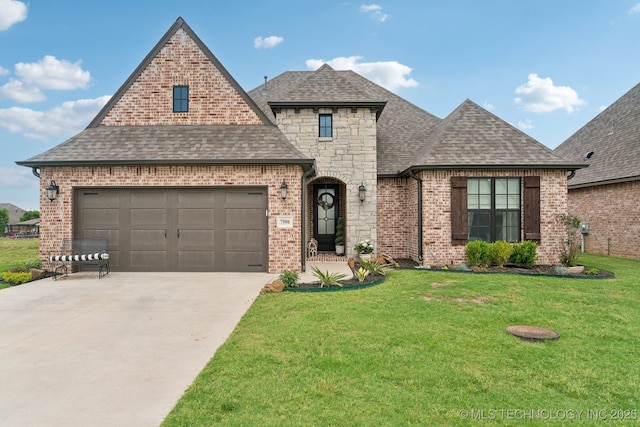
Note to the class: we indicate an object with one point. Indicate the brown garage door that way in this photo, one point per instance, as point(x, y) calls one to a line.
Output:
point(180, 229)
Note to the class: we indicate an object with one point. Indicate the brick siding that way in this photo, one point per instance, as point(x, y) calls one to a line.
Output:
point(284, 244)
point(149, 100)
point(613, 214)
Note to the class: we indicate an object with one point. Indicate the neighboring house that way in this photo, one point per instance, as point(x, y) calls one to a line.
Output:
point(15, 213)
point(183, 170)
point(606, 195)
point(28, 228)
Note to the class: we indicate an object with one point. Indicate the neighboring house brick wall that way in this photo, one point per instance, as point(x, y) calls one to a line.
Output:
point(613, 214)
point(149, 100)
point(437, 213)
point(349, 156)
point(284, 244)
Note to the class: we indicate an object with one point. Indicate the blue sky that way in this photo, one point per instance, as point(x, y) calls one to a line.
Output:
point(545, 66)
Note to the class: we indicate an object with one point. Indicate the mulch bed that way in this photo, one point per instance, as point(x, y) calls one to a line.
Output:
point(538, 270)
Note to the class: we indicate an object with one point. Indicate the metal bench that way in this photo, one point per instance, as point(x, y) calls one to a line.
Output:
point(81, 251)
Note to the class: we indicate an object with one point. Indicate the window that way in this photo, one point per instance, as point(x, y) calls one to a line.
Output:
point(180, 99)
point(326, 126)
point(493, 209)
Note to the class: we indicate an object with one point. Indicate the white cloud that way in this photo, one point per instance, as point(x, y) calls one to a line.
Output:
point(4, 71)
point(374, 11)
point(18, 91)
point(525, 125)
point(635, 9)
point(487, 106)
point(541, 96)
point(51, 73)
point(267, 42)
point(17, 177)
point(12, 12)
point(62, 121)
point(388, 74)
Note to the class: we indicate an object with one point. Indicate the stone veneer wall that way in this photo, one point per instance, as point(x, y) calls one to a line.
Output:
point(613, 214)
point(437, 212)
point(284, 244)
point(212, 99)
point(349, 156)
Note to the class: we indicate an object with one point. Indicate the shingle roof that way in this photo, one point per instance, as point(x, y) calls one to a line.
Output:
point(473, 137)
point(193, 144)
point(614, 138)
point(409, 136)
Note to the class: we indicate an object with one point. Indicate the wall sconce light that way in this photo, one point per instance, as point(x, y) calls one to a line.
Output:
point(362, 192)
point(283, 190)
point(52, 191)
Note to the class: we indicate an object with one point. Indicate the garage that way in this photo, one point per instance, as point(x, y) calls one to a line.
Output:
point(177, 229)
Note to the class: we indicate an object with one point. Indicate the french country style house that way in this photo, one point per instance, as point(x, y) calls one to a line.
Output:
point(606, 195)
point(183, 170)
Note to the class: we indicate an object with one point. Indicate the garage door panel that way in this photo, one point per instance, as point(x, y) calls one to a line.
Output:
point(148, 239)
point(247, 240)
point(101, 218)
point(148, 260)
point(195, 198)
point(244, 261)
point(244, 218)
point(148, 198)
point(244, 198)
point(196, 260)
point(194, 218)
point(149, 217)
point(112, 236)
point(201, 239)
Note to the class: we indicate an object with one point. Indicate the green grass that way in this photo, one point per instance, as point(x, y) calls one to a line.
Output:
point(16, 253)
point(424, 346)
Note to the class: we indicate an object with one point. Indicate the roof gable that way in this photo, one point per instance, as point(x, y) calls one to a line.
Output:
point(613, 140)
point(472, 137)
point(179, 58)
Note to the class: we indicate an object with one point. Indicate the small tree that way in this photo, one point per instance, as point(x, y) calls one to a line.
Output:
point(27, 215)
point(570, 248)
point(4, 220)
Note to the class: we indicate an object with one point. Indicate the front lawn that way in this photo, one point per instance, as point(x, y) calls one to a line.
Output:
point(429, 348)
point(17, 253)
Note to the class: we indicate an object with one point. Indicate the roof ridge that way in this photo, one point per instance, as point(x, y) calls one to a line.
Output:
point(180, 23)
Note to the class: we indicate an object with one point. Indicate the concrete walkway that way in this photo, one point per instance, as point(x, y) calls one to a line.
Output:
point(119, 351)
point(333, 267)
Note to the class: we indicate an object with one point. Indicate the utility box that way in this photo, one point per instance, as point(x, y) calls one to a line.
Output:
point(584, 227)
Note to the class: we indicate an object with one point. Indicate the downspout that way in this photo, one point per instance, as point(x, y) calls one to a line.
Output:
point(36, 172)
point(419, 180)
point(303, 223)
point(572, 174)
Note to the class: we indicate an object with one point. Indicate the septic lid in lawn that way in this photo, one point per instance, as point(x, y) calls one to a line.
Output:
point(532, 332)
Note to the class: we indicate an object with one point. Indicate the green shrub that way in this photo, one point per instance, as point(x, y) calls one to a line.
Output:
point(374, 267)
point(290, 279)
point(593, 271)
point(478, 253)
point(361, 274)
point(524, 254)
point(500, 252)
point(33, 263)
point(570, 247)
point(340, 232)
point(328, 279)
point(17, 278)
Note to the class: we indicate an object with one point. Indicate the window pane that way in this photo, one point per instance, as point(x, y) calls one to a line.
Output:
point(501, 201)
point(501, 186)
point(326, 125)
point(480, 226)
point(472, 186)
point(485, 201)
point(514, 185)
point(507, 225)
point(485, 186)
point(514, 202)
point(472, 201)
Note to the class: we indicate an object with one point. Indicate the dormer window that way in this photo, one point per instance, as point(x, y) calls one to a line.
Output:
point(180, 99)
point(326, 126)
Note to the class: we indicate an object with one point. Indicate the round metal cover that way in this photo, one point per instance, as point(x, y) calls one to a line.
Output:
point(532, 332)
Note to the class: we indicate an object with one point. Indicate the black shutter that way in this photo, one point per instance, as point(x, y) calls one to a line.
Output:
point(459, 218)
point(532, 208)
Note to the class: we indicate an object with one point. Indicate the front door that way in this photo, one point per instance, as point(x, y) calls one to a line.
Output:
point(325, 213)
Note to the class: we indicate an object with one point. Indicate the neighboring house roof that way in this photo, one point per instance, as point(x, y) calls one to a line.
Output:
point(409, 137)
point(193, 144)
point(14, 212)
point(472, 137)
point(613, 139)
point(31, 222)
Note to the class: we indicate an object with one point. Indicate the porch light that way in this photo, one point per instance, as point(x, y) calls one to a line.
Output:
point(283, 190)
point(52, 191)
point(362, 192)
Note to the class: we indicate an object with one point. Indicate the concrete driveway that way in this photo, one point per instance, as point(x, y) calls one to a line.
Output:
point(116, 351)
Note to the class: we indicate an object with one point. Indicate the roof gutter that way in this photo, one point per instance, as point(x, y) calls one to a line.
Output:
point(303, 203)
point(419, 181)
